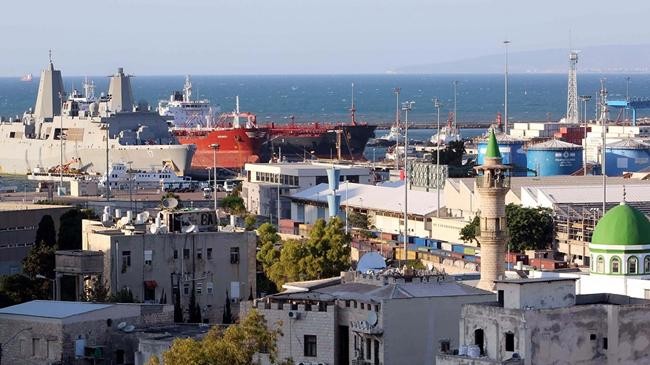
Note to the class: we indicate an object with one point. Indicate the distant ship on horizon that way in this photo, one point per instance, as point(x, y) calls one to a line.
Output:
point(27, 78)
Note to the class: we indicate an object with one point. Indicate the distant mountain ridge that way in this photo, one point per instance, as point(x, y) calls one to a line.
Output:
point(597, 59)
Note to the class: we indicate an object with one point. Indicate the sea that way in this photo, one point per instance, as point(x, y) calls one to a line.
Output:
point(276, 98)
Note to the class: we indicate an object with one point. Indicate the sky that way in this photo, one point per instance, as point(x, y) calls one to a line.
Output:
point(217, 37)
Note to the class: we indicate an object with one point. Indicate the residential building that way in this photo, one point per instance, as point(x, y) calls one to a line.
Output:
point(542, 321)
point(156, 267)
point(52, 332)
point(263, 180)
point(18, 225)
point(155, 340)
point(389, 317)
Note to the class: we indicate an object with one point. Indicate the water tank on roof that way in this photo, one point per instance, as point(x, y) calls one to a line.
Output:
point(512, 153)
point(628, 155)
point(554, 157)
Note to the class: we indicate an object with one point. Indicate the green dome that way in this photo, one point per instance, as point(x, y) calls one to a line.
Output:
point(622, 225)
point(492, 146)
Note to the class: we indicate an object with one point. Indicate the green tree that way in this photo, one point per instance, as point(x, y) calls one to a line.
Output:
point(40, 261)
point(70, 228)
point(233, 204)
point(358, 220)
point(96, 291)
point(468, 233)
point(46, 233)
point(250, 222)
point(529, 228)
point(124, 295)
point(16, 289)
point(236, 345)
point(324, 254)
point(267, 233)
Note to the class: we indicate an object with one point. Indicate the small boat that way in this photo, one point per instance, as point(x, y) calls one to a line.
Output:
point(27, 78)
point(447, 134)
point(123, 178)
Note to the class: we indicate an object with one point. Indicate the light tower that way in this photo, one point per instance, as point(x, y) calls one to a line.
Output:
point(492, 183)
point(572, 93)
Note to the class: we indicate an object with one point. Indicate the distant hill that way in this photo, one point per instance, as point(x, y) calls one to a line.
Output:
point(598, 59)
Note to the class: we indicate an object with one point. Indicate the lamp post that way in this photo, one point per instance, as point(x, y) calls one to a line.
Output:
point(406, 107)
point(215, 147)
point(584, 99)
point(505, 101)
point(437, 105)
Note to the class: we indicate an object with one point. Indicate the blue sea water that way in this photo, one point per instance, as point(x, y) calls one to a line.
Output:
point(276, 98)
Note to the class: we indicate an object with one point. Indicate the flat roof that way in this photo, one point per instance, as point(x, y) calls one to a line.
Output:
point(307, 168)
point(634, 192)
point(387, 198)
point(13, 206)
point(534, 280)
point(52, 308)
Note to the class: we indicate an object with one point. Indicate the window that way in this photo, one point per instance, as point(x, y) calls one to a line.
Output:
point(186, 253)
point(209, 253)
point(646, 265)
point(148, 257)
point(600, 264)
point(175, 254)
point(510, 341)
point(369, 347)
point(592, 337)
point(377, 307)
point(234, 255)
point(355, 303)
point(478, 339)
point(604, 343)
point(126, 259)
point(347, 304)
point(632, 264)
point(199, 288)
point(34, 346)
point(310, 346)
point(199, 253)
point(500, 297)
point(376, 352)
point(616, 265)
point(209, 287)
point(186, 289)
point(362, 306)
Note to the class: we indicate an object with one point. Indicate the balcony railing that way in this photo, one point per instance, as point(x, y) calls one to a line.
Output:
point(495, 182)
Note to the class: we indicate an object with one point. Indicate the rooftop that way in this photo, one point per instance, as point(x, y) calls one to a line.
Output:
point(582, 194)
point(534, 280)
point(52, 309)
point(387, 198)
point(304, 168)
point(13, 206)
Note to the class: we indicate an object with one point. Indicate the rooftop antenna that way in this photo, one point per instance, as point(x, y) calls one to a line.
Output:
point(353, 110)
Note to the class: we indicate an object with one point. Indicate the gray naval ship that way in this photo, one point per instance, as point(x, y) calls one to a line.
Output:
point(66, 132)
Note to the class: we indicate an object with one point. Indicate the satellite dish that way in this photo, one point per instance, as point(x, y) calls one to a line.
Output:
point(121, 325)
point(370, 262)
point(153, 229)
point(372, 318)
point(145, 216)
point(189, 229)
point(169, 203)
point(128, 329)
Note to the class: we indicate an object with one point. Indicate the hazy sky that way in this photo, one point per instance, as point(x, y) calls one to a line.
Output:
point(154, 37)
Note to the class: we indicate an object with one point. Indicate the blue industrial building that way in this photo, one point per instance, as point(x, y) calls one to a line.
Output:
point(512, 153)
point(628, 155)
point(554, 157)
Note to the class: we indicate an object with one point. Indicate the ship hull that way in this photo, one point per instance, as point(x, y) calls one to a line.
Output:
point(302, 141)
point(237, 146)
point(20, 156)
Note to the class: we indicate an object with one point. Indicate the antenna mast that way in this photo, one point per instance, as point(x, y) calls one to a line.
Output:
point(353, 110)
point(572, 97)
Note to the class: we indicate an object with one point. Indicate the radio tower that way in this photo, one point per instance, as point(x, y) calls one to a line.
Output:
point(572, 97)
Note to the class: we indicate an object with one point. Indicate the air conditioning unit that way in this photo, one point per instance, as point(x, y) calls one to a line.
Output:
point(294, 315)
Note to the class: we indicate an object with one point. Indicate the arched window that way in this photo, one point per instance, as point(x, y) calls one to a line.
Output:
point(646, 265)
point(600, 264)
point(615, 265)
point(632, 265)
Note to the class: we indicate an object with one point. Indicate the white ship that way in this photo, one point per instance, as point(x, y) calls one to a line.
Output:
point(111, 129)
point(447, 134)
point(120, 177)
point(393, 136)
point(185, 112)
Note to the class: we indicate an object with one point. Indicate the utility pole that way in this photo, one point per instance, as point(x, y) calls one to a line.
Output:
point(397, 113)
point(406, 107)
point(437, 105)
point(584, 99)
point(60, 191)
point(215, 147)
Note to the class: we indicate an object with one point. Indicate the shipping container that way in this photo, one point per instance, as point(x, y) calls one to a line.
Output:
point(458, 248)
point(446, 246)
point(420, 241)
point(468, 250)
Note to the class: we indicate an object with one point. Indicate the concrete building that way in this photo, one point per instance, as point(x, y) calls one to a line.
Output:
point(157, 266)
point(18, 225)
point(492, 183)
point(50, 332)
point(260, 187)
point(382, 318)
point(542, 321)
point(382, 203)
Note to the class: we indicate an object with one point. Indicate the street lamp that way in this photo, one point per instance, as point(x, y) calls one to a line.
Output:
point(437, 105)
point(215, 147)
point(406, 107)
point(584, 99)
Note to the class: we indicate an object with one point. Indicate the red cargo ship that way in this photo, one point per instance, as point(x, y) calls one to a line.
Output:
point(238, 144)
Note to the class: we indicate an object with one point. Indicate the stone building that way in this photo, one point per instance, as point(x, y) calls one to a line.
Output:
point(542, 321)
point(156, 267)
point(492, 183)
point(382, 318)
point(18, 225)
point(51, 332)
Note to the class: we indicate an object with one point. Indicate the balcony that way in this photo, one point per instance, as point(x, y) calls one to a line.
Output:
point(498, 181)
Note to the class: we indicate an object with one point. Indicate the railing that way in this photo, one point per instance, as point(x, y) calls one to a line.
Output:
point(496, 182)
